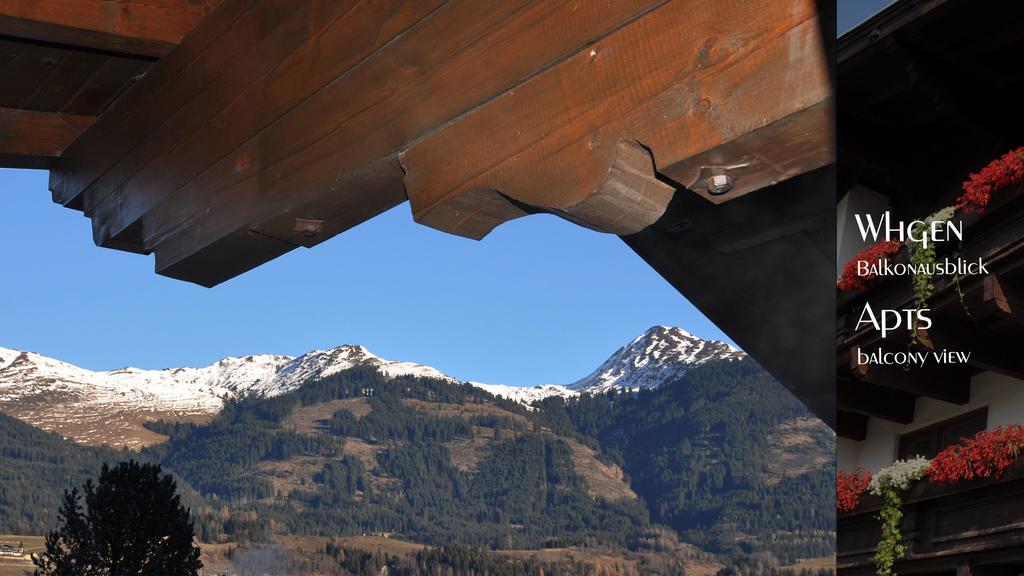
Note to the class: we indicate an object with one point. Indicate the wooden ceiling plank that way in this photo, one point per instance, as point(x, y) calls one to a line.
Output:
point(140, 28)
point(339, 129)
point(122, 127)
point(25, 75)
point(268, 82)
point(700, 89)
point(103, 87)
point(202, 89)
point(67, 80)
point(178, 257)
point(26, 133)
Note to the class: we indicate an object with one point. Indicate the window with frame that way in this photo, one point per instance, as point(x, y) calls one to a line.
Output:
point(931, 440)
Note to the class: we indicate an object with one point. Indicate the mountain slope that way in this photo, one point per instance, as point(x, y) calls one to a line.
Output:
point(35, 469)
point(659, 355)
point(723, 454)
point(110, 407)
point(717, 454)
point(427, 460)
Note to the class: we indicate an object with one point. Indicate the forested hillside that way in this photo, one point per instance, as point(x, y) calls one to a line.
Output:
point(425, 460)
point(35, 469)
point(724, 455)
point(721, 457)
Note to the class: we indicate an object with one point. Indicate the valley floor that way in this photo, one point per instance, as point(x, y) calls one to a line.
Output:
point(227, 558)
point(19, 566)
point(285, 551)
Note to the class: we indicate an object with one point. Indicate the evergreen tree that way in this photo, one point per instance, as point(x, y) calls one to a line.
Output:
point(133, 523)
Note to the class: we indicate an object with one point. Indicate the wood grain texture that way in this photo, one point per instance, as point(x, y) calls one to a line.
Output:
point(282, 68)
point(305, 145)
point(26, 133)
point(146, 28)
point(736, 84)
point(175, 80)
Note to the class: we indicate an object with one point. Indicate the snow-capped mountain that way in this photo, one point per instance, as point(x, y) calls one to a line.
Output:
point(24, 375)
point(527, 395)
point(659, 355)
point(110, 406)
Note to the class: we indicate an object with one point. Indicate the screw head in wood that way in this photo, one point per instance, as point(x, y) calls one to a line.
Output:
point(719, 184)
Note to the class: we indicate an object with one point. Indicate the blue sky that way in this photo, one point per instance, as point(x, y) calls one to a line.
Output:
point(540, 300)
point(850, 13)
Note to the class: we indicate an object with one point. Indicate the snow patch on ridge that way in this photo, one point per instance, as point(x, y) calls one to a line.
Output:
point(660, 355)
point(526, 395)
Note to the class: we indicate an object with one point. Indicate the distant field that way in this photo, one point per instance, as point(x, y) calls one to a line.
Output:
point(369, 543)
point(215, 556)
point(20, 567)
point(565, 554)
point(15, 568)
point(813, 564)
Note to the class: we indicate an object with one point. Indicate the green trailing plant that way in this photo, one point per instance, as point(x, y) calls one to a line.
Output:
point(890, 483)
point(890, 547)
point(959, 290)
point(922, 259)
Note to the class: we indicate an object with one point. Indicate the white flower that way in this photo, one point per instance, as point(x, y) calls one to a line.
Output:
point(941, 216)
point(901, 475)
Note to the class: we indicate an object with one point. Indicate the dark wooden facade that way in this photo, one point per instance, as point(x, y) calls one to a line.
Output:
point(926, 95)
point(925, 98)
point(230, 133)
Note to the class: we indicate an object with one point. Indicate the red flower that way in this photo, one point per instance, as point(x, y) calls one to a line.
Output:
point(988, 454)
point(850, 281)
point(849, 487)
point(1001, 172)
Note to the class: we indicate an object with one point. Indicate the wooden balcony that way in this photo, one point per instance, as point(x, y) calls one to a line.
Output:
point(911, 134)
point(979, 314)
point(976, 527)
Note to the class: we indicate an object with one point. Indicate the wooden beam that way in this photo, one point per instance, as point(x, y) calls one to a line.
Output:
point(627, 200)
point(249, 97)
point(150, 28)
point(1001, 299)
point(733, 88)
point(302, 141)
point(947, 383)
point(852, 426)
point(28, 134)
point(870, 400)
point(996, 354)
point(212, 48)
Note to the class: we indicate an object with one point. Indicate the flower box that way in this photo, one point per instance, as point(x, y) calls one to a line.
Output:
point(942, 525)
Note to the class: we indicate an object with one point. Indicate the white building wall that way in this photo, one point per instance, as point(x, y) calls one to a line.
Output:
point(1004, 397)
